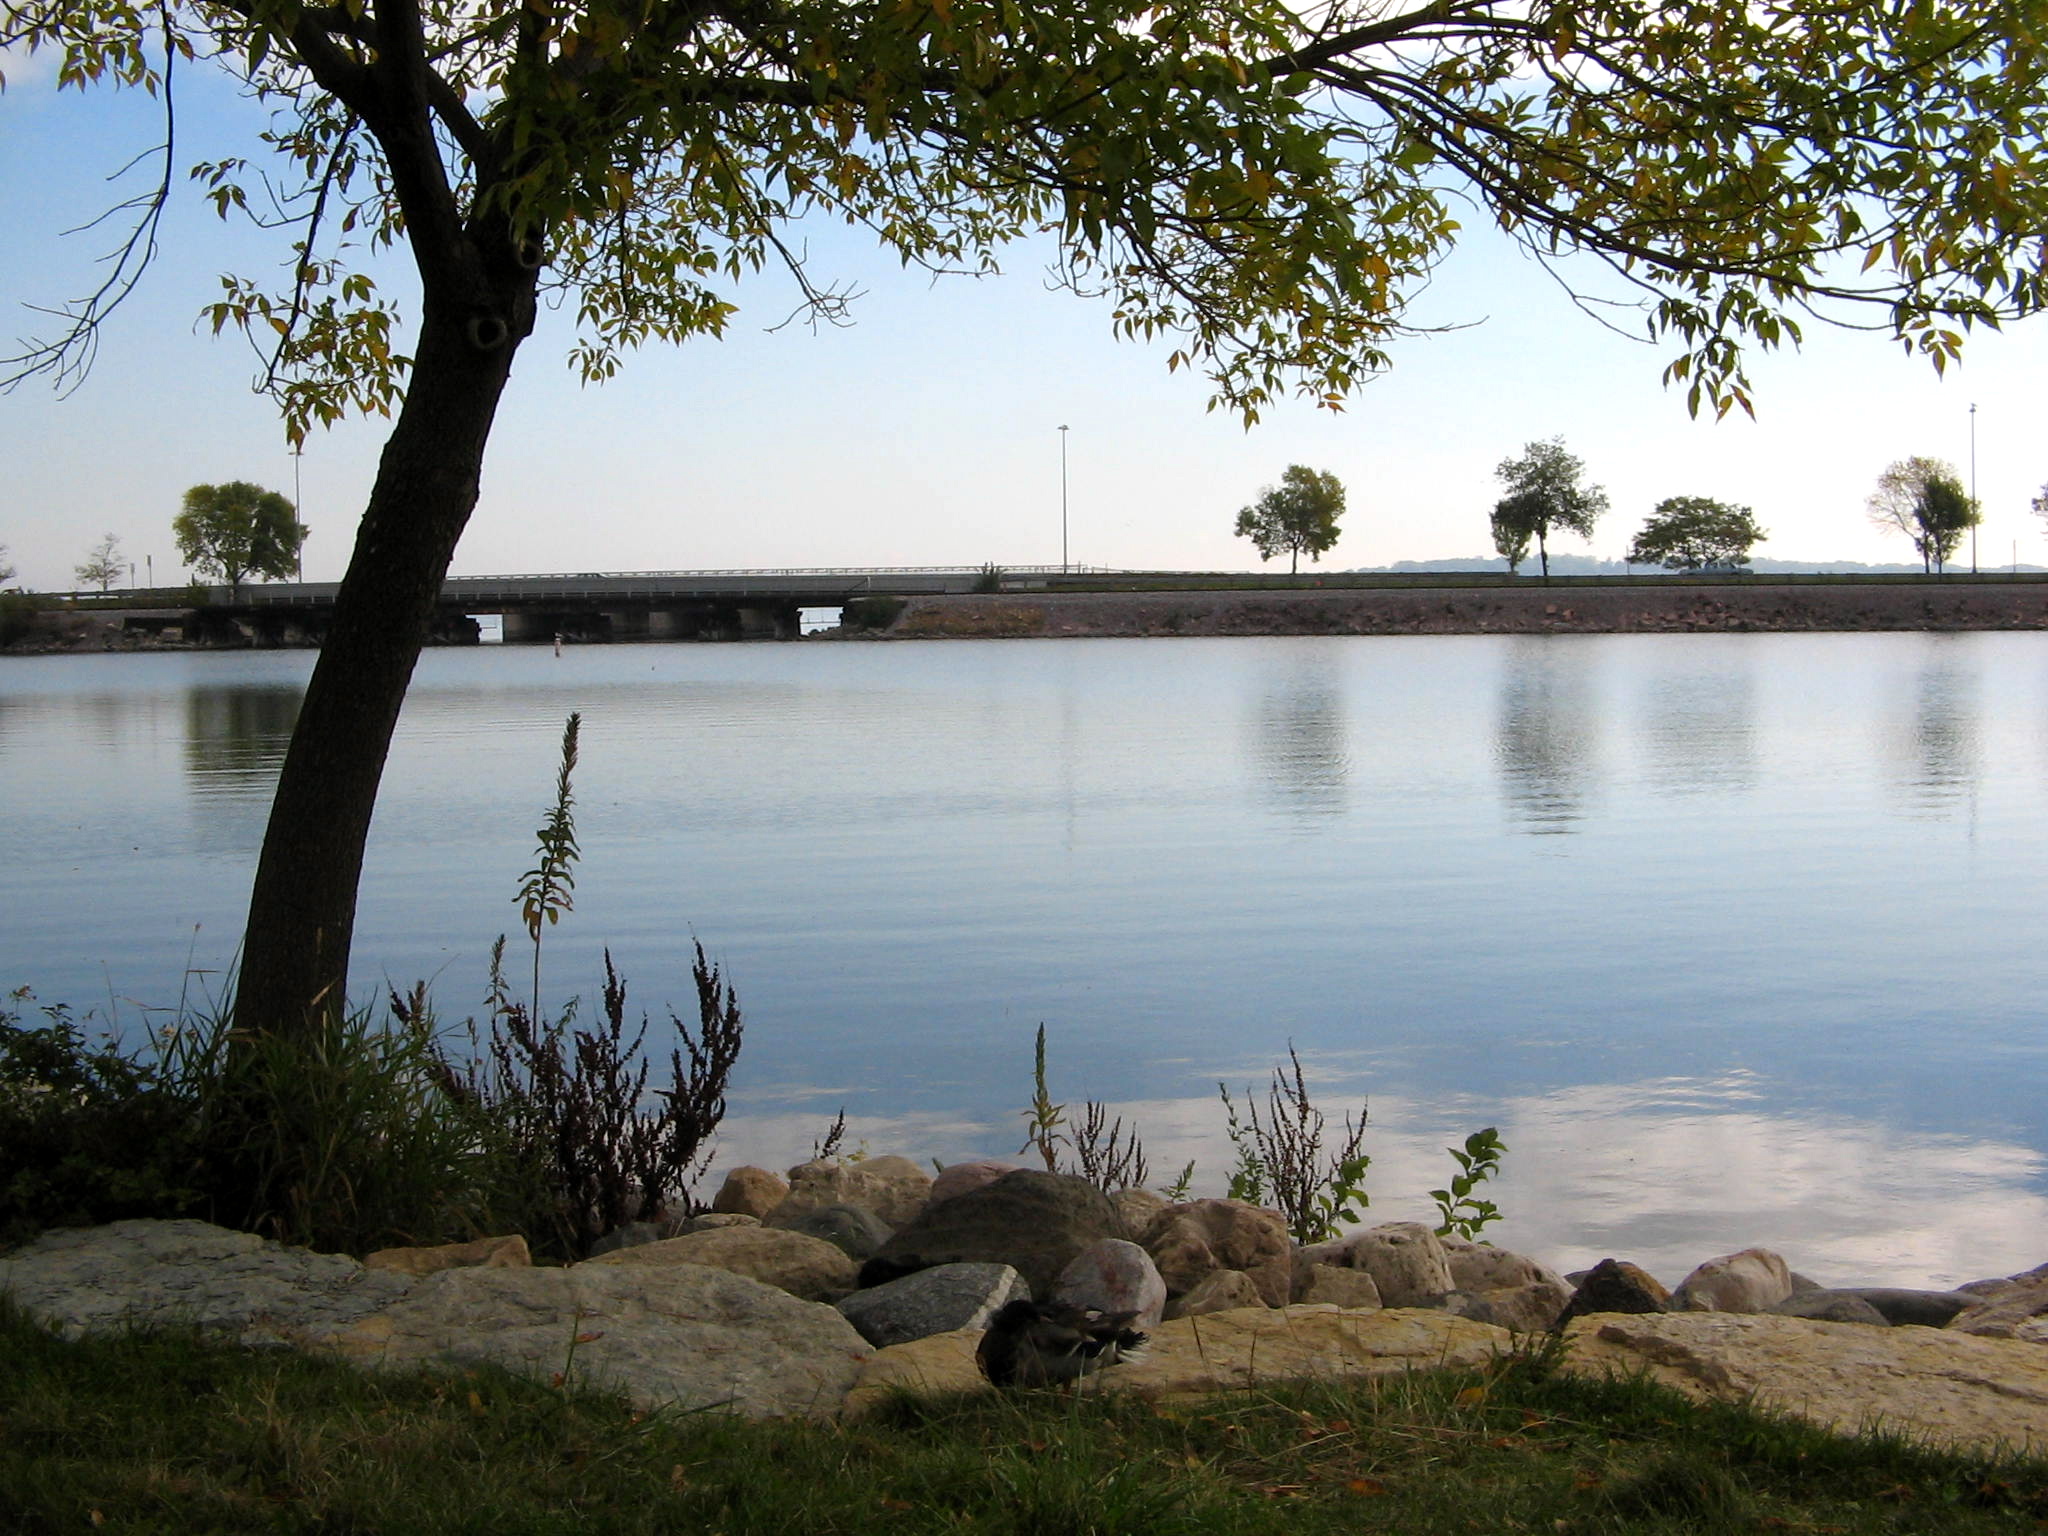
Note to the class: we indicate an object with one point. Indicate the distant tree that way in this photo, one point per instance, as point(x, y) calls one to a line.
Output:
point(238, 530)
point(1510, 534)
point(1298, 516)
point(1544, 492)
point(1694, 533)
point(6, 566)
point(2040, 504)
point(1945, 513)
point(103, 564)
point(1902, 504)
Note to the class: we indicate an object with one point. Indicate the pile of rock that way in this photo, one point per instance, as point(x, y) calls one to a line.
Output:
point(814, 1292)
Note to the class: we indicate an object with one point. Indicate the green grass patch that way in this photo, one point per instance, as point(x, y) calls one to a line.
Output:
point(166, 1433)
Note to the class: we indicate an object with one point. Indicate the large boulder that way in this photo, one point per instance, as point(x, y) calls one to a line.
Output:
point(854, 1231)
point(894, 1188)
point(1114, 1277)
point(1753, 1280)
point(1936, 1384)
point(1481, 1267)
point(805, 1267)
point(940, 1300)
point(1221, 1290)
point(153, 1274)
point(959, 1178)
point(1529, 1308)
point(1406, 1260)
point(1337, 1285)
point(1033, 1222)
point(749, 1191)
point(679, 1335)
point(1199, 1237)
point(1615, 1285)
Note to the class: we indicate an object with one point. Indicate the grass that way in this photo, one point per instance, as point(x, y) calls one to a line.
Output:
point(167, 1434)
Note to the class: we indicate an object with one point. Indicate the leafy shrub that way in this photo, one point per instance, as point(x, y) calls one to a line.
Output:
point(571, 1106)
point(88, 1132)
point(988, 579)
point(1280, 1159)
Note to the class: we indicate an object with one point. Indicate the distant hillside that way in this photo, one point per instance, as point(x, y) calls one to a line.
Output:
point(1585, 565)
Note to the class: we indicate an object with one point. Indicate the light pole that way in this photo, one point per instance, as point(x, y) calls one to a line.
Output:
point(1063, 500)
point(299, 574)
point(1973, 487)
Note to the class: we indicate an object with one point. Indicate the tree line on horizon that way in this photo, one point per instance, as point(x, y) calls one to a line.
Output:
point(1547, 492)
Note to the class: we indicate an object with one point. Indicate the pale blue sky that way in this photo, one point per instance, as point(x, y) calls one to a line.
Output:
point(927, 433)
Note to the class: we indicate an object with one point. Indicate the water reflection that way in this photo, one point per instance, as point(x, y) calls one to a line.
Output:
point(1298, 736)
point(235, 737)
point(1680, 1170)
point(1937, 751)
point(1546, 734)
point(1699, 730)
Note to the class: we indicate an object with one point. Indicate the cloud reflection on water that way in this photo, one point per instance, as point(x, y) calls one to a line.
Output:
point(1666, 1172)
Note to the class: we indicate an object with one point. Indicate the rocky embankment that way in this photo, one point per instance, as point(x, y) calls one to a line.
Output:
point(1530, 609)
point(822, 1292)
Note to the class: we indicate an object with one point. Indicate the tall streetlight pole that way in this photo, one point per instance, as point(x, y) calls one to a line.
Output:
point(1061, 500)
point(1973, 486)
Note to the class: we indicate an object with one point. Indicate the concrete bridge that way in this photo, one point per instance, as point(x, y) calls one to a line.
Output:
point(617, 605)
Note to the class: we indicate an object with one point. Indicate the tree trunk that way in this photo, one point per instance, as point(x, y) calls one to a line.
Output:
point(1543, 552)
point(295, 951)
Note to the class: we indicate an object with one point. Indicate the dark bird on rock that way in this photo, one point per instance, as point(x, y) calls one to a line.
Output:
point(1035, 1344)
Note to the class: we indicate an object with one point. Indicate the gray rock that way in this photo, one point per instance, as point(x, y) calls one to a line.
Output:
point(1221, 1290)
point(1909, 1308)
point(1752, 1280)
point(854, 1231)
point(2019, 1313)
point(1405, 1259)
point(1113, 1277)
point(1828, 1306)
point(933, 1301)
point(679, 1335)
point(155, 1274)
point(1034, 1222)
point(1528, 1308)
point(1482, 1267)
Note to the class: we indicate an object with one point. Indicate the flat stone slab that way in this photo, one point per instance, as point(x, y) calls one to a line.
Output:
point(679, 1335)
point(1218, 1352)
point(1935, 1384)
point(170, 1274)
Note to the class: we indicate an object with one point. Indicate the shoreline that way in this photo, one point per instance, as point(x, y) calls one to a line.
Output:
point(1445, 610)
point(1688, 607)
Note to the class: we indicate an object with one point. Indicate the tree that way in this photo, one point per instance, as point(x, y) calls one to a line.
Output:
point(1695, 533)
point(237, 530)
point(1298, 516)
point(1263, 187)
point(1544, 493)
point(103, 564)
point(6, 566)
point(1944, 514)
point(1510, 534)
point(1923, 499)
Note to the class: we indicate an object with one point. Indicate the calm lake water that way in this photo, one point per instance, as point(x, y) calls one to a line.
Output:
point(1736, 938)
